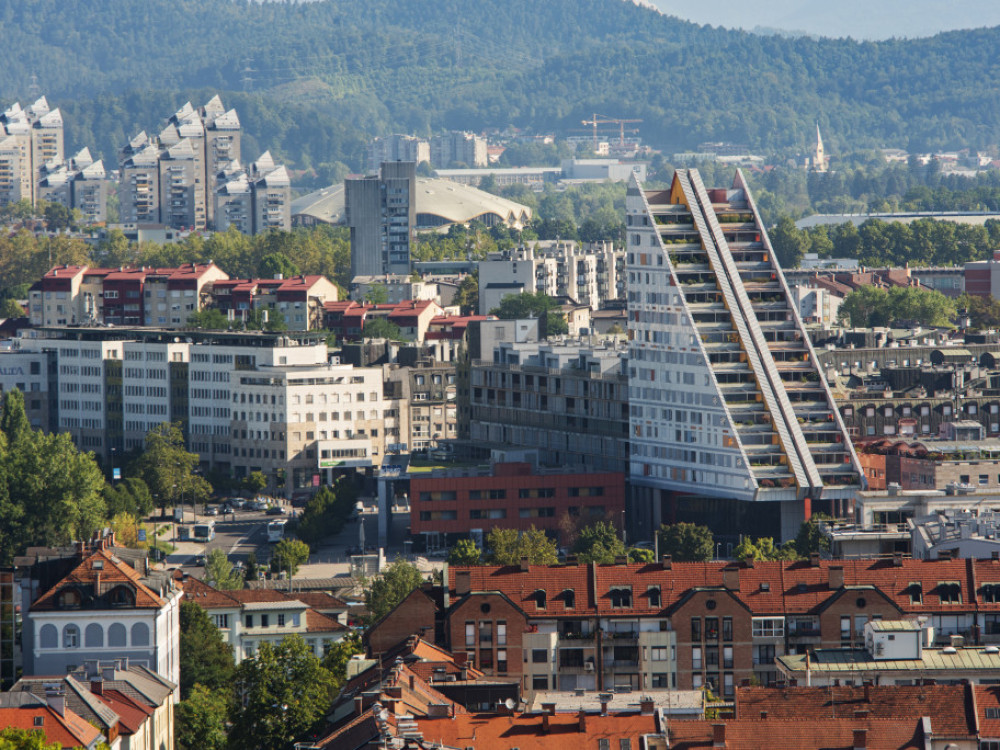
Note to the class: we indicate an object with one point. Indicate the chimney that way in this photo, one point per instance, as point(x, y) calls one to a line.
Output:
point(572, 560)
point(748, 561)
point(860, 739)
point(97, 687)
point(718, 735)
point(548, 708)
point(868, 692)
point(97, 584)
point(393, 692)
point(605, 699)
point(897, 559)
point(412, 682)
point(582, 721)
point(646, 705)
point(814, 559)
point(667, 562)
point(524, 565)
point(545, 723)
point(731, 578)
point(463, 582)
point(621, 559)
point(957, 641)
point(108, 673)
point(359, 705)
point(836, 577)
point(56, 699)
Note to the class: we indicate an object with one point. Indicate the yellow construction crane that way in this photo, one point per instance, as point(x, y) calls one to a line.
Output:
point(605, 120)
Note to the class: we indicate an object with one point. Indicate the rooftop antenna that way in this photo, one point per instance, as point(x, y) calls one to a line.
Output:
point(34, 89)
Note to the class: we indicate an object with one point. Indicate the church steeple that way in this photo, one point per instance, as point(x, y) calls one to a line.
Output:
point(819, 161)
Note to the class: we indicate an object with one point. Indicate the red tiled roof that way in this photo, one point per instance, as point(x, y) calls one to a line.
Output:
point(320, 600)
point(526, 731)
point(796, 734)
point(320, 623)
point(69, 730)
point(112, 571)
point(988, 696)
point(353, 735)
point(199, 592)
point(791, 587)
point(948, 706)
point(132, 713)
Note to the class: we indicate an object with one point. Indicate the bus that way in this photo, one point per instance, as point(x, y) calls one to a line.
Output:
point(276, 530)
point(204, 532)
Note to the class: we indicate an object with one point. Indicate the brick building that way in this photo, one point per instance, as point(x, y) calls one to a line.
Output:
point(684, 625)
point(452, 504)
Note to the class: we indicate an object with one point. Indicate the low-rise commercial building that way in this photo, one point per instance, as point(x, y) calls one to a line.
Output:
point(451, 504)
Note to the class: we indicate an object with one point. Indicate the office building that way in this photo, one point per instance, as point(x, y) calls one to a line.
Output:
point(381, 212)
point(397, 148)
point(726, 399)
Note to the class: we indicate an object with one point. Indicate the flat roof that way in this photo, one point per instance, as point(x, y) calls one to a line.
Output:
point(860, 661)
point(891, 626)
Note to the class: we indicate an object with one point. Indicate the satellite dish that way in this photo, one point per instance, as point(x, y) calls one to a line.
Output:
point(509, 703)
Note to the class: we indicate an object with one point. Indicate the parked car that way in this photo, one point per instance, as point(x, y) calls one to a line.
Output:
point(212, 510)
point(275, 510)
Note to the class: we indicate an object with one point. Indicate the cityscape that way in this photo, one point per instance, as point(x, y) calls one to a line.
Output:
point(374, 377)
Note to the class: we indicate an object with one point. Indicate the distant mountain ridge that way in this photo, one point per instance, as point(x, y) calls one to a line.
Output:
point(313, 80)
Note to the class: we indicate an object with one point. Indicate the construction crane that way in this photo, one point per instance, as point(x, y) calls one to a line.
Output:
point(605, 120)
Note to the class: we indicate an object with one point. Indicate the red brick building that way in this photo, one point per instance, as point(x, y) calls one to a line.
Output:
point(449, 505)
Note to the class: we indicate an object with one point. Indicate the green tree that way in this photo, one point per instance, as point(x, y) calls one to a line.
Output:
point(381, 328)
point(686, 542)
point(130, 495)
point(255, 482)
point(810, 539)
point(252, 570)
point(167, 467)
point(205, 657)
point(327, 511)
point(22, 739)
point(598, 543)
point(201, 719)
point(210, 319)
point(509, 546)
point(289, 555)
point(266, 319)
point(790, 244)
point(465, 552)
point(763, 549)
point(11, 308)
point(275, 265)
point(467, 296)
point(533, 305)
point(285, 692)
point(220, 572)
point(339, 654)
point(387, 590)
point(377, 294)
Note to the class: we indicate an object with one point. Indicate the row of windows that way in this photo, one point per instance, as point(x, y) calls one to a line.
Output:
point(93, 636)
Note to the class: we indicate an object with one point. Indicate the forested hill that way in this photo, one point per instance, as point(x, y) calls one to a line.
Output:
point(313, 80)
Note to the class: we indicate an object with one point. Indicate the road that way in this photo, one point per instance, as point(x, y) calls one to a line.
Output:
point(236, 534)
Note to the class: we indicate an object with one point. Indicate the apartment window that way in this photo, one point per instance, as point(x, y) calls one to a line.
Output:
point(658, 653)
point(695, 628)
point(764, 654)
point(845, 628)
point(265, 621)
point(569, 598)
point(727, 657)
point(281, 620)
point(248, 621)
point(470, 634)
point(991, 592)
point(540, 599)
point(712, 628)
point(654, 596)
point(916, 591)
point(540, 683)
point(696, 657)
point(727, 628)
point(712, 657)
point(501, 632)
point(727, 685)
point(539, 656)
point(768, 627)
point(485, 633)
point(502, 660)
point(621, 597)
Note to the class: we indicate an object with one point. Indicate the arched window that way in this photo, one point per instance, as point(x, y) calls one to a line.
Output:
point(48, 637)
point(116, 635)
point(71, 636)
point(140, 634)
point(121, 596)
point(93, 636)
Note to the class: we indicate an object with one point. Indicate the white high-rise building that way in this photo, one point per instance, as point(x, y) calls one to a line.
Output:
point(726, 398)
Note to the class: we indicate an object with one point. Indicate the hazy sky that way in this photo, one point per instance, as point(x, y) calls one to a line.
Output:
point(861, 19)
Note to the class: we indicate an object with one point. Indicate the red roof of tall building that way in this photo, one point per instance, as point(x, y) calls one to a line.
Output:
point(102, 570)
point(69, 729)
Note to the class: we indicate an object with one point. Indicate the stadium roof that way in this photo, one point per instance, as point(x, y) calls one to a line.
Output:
point(438, 202)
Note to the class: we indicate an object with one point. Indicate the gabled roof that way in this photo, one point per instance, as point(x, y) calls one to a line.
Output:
point(529, 733)
point(950, 707)
point(68, 729)
point(799, 734)
point(133, 713)
point(106, 569)
point(78, 698)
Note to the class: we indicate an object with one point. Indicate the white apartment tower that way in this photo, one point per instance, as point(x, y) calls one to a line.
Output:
point(726, 400)
point(29, 139)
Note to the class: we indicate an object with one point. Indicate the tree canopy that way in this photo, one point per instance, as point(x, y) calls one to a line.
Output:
point(600, 543)
point(167, 468)
point(686, 542)
point(533, 305)
point(872, 306)
point(205, 657)
point(465, 552)
point(509, 546)
point(391, 587)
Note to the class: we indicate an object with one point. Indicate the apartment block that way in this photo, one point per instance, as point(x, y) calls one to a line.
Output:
point(426, 392)
point(271, 189)
point(381, 213)
point(301, 299)
point(139, 182)
point(29, 139)
point(77, 183)
point(687, 625)
point(567, 401)
point(447, 505)
point(458, 148)
point(397, 148)
point(589, 276)
point(247, 401)
point(726, 398)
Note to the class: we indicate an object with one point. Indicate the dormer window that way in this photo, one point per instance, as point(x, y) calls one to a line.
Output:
point(916, 591)
point(991, 592)
point(121, 596)
point(69, 599)
point(950, 592)
point(569, 599)
point(540, 599)
point(621, 597)
point(653, 592)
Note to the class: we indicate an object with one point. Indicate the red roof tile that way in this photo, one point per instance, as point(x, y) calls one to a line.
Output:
point(133, 714)
point(111, 571)
point(69, 730)
point(796, 734)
